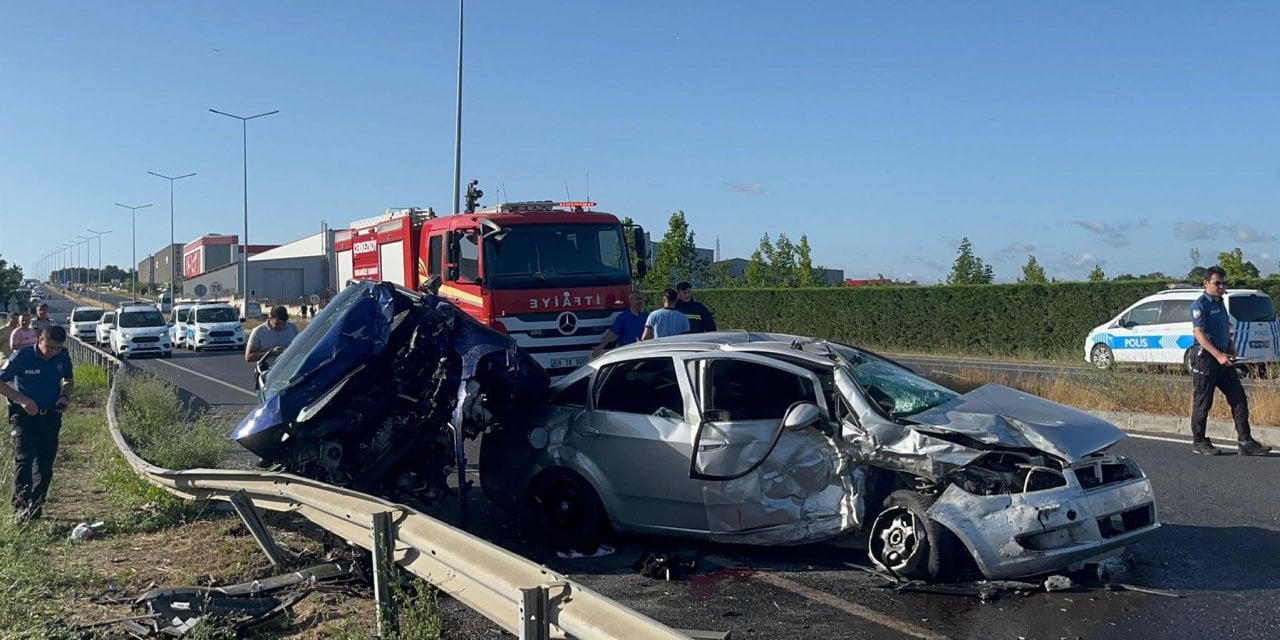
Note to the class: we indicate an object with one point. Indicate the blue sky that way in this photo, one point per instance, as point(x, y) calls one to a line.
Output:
point(1120, 134)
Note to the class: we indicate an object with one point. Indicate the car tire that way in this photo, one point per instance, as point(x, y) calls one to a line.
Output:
point(1102, 357)
point(907, 543)
point(567, 511)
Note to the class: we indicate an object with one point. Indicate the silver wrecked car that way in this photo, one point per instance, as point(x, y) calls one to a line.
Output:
point(773, 439)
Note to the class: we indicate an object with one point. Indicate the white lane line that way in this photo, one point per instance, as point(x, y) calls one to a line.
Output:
point(211, 379)
point(822, 597)
point(1225, 445)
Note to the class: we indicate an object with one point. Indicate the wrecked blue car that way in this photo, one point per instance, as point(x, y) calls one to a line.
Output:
point(381, 389)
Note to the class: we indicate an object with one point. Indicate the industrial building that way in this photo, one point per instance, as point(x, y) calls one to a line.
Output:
point(287, 273)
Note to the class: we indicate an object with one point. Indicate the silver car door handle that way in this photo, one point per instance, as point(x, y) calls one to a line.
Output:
point(589, 431)
point(711, 445)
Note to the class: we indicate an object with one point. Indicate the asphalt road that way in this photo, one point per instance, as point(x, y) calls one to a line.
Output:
point(1219, 551)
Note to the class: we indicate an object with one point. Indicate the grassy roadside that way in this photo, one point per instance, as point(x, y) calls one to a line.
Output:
point(1108, 391)
point(50, 585)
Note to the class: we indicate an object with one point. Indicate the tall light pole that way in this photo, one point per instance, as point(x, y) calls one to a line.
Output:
point(173, 262)
point(134, 264)
point(86, 240)
point(457, 127)
point(244, 259)
point(99, 235)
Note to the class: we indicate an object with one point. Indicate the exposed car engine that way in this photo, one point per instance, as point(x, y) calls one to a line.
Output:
point(381, 389)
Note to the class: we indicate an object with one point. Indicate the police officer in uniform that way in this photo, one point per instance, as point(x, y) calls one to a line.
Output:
point(43, 381)
point(1212, 368)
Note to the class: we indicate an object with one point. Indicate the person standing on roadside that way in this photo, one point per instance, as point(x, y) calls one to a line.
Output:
point(665, 321)
point(42, 320)
point(270, 338)
point(23, 335)
point(1212, 368)
point(43, 381)
point(700, 318)
point(5, 332)
point(628, 327)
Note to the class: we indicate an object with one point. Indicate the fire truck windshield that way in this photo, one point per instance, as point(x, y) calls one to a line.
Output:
point(561, 255)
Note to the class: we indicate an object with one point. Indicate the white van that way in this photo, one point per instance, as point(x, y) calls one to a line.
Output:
point(83, 322)
point(102, 330)
point(140, 329)
point(178, 324)
point(213, 326)
point(166, 303)
point(1157, 330)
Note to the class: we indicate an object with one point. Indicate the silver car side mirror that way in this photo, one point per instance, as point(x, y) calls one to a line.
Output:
point(801, 415)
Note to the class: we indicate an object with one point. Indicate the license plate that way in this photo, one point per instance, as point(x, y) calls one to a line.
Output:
point(1259, 344)
point(221, 340)
point(560, 363)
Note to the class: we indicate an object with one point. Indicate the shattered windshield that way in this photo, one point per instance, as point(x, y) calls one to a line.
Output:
point(557, 255)
point(898, 391)
point(286, 366)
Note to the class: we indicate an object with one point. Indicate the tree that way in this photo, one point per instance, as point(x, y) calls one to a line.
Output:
point(969, 268)
point(1197, 273)
point(10, 281)
point(760, 269)
point(1236, 266)
point(1032, 272)
point(676, 257)
point(1097, 275)
point(806, 275)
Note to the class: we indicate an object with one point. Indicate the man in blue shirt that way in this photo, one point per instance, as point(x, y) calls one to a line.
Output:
point(43, 381)
point(666, 321)
point(627, 327)
point(1212, 368)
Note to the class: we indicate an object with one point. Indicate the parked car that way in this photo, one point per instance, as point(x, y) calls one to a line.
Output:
point(213, 326)
point(178, 318)
point(84, 322)
point(777, 440)
point(1157, 330)
point(102, 330)
point(140, 329)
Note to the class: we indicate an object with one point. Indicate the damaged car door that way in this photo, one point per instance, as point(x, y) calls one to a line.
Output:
point(770, 471)
point(634, 440)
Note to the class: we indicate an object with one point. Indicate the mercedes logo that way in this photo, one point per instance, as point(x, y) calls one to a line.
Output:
point(567, 323)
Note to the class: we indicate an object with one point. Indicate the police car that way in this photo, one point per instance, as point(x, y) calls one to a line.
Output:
point(1157, 330)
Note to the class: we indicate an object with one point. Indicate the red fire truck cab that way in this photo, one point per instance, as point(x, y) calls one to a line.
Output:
point(552, 275)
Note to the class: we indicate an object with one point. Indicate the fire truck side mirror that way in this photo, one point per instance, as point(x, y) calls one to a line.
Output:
point(642, 247)
point(451, 256)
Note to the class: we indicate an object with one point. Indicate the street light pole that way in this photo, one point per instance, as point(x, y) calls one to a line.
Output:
point(99, 235)
point(134, 267)
point(173, 263)
point(85, 264)
point(457, 126)
point(244, 259)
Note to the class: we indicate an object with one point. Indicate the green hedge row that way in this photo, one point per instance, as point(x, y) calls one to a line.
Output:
point(1020, 320)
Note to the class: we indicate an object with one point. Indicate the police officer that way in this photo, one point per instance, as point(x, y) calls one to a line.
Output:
point(1212, 368)
point(42, 383)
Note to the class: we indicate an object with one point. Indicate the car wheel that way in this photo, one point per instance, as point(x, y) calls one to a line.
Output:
point(1189, 360)
point(568, 511)
point(906, 542)
point(1101, 356)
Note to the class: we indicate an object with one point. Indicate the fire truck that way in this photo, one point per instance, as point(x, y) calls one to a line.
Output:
point(553, 275)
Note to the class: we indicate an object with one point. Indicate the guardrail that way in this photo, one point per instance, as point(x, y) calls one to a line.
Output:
point(514, 592)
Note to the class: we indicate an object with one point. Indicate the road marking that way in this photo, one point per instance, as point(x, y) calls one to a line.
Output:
point(211, 379)
point(1225, 445)
point(822, 597)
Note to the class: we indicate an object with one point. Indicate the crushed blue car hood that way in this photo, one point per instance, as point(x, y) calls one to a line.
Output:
point(365, 313)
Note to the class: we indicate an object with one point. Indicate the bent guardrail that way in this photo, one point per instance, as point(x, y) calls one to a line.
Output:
point(487, 578)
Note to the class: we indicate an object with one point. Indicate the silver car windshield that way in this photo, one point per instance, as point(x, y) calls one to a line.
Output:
point(898, 391)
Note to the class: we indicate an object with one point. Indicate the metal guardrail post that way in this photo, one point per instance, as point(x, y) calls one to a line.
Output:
point(253, 521)
point(535, 612)
point(384, 571)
